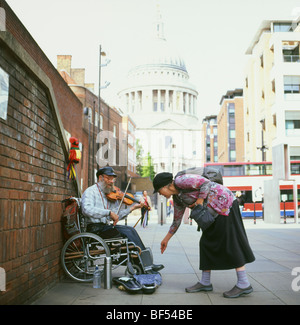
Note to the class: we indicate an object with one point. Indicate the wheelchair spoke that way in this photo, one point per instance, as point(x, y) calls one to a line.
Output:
point(80, 255)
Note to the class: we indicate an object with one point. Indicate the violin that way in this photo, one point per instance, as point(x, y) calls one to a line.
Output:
point(128, 199)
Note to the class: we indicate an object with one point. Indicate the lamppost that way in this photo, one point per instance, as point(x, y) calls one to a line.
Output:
point(263, 148)
point(86, 113)
point(101, 65)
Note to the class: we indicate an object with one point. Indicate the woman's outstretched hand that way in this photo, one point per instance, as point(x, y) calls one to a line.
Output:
point(164, 242)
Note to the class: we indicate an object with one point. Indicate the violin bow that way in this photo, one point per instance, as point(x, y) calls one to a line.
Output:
point(123, 196)
point(137, 222)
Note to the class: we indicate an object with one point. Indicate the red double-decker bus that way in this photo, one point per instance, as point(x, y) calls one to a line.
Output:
point(246, 179)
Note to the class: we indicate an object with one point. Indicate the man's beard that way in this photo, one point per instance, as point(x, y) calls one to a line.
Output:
point(105, 188)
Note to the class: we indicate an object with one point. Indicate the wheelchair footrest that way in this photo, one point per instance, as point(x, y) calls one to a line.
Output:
point(147, 258)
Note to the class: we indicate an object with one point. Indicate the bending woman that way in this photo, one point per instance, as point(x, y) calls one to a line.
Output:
point(224, 245)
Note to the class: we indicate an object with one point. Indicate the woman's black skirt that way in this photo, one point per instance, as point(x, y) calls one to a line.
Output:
point(224, 245)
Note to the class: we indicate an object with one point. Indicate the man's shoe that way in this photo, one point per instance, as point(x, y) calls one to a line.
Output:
point(157, 267)
point(236, 292)
point(199, 287)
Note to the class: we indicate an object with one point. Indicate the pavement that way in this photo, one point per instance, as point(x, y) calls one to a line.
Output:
point(274, 275)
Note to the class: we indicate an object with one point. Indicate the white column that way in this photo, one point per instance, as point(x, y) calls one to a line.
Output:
point(186, 98)
point(158, 100)
point(174, 101)
point(181, 102)
point(167, 101)
point(136, 101)
point(130, 102)
point(193, 105)
point(149, 101)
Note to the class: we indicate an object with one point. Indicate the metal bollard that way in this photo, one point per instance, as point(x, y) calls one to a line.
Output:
point(107, 273)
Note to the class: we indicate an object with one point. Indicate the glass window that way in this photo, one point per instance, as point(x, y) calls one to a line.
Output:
point(295, 153)
point(232, 155)
point(231, 108)
point(291, 84)
point(292, 123)
point(282, 27)
point(96, 119)
point(232, 134)
point(295, 167)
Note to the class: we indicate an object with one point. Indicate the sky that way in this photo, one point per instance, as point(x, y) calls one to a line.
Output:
point(211, 36)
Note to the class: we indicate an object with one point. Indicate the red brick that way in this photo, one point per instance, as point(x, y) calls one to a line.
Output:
point(32, 171)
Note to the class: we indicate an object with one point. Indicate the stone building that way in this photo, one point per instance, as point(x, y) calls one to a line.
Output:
point(163, 103)
point(231, 127)
point(114, 129)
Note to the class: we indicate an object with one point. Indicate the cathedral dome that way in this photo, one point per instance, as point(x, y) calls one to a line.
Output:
point(158, 54)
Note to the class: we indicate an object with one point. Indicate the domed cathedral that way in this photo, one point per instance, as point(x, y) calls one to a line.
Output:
point(163, 103)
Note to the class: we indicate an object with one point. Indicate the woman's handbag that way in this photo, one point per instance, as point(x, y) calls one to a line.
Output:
point(203, 216)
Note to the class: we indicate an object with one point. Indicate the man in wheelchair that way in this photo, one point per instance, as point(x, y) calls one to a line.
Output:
point(100, 212)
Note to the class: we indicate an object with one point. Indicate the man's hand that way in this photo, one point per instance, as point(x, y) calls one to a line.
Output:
point(114, 217)
point(136, 206)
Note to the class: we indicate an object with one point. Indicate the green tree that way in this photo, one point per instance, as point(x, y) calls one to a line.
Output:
point(139, 157)
point(148, 168)
point(144, 165)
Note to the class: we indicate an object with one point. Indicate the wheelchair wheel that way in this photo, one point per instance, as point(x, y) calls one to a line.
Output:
point(134, 271)
point(80, 255)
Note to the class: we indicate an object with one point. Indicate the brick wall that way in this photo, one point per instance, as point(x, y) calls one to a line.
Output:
point(70, 108)
point(33, 161)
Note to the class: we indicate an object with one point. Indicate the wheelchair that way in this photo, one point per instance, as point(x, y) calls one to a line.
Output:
point(83, 251)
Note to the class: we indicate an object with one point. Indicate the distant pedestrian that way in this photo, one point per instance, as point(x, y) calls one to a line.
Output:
point(224, 244)
point(169, 207)
point(145, 209)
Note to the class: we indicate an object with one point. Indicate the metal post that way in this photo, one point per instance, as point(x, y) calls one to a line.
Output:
point(284, 215)
point(86, 112)
point(99, 98)
point(161, 212)
point(254, 214)
point(93, 144)
point(107, 273)
point(89, 153)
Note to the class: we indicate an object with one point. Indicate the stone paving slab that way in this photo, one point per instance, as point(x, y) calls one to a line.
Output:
point(277, 251)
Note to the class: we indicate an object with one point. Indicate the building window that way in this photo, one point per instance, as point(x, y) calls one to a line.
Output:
point(292, 123)
point(282, 27)
point(262, 61)
point(291, 84)
point(90, 115)
point(294, 153)
point(232, 155)
point(96, 119)
point(273, 85)
point(231, 131)
point(231, 108)
point(290, 51)
point(232, 134)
